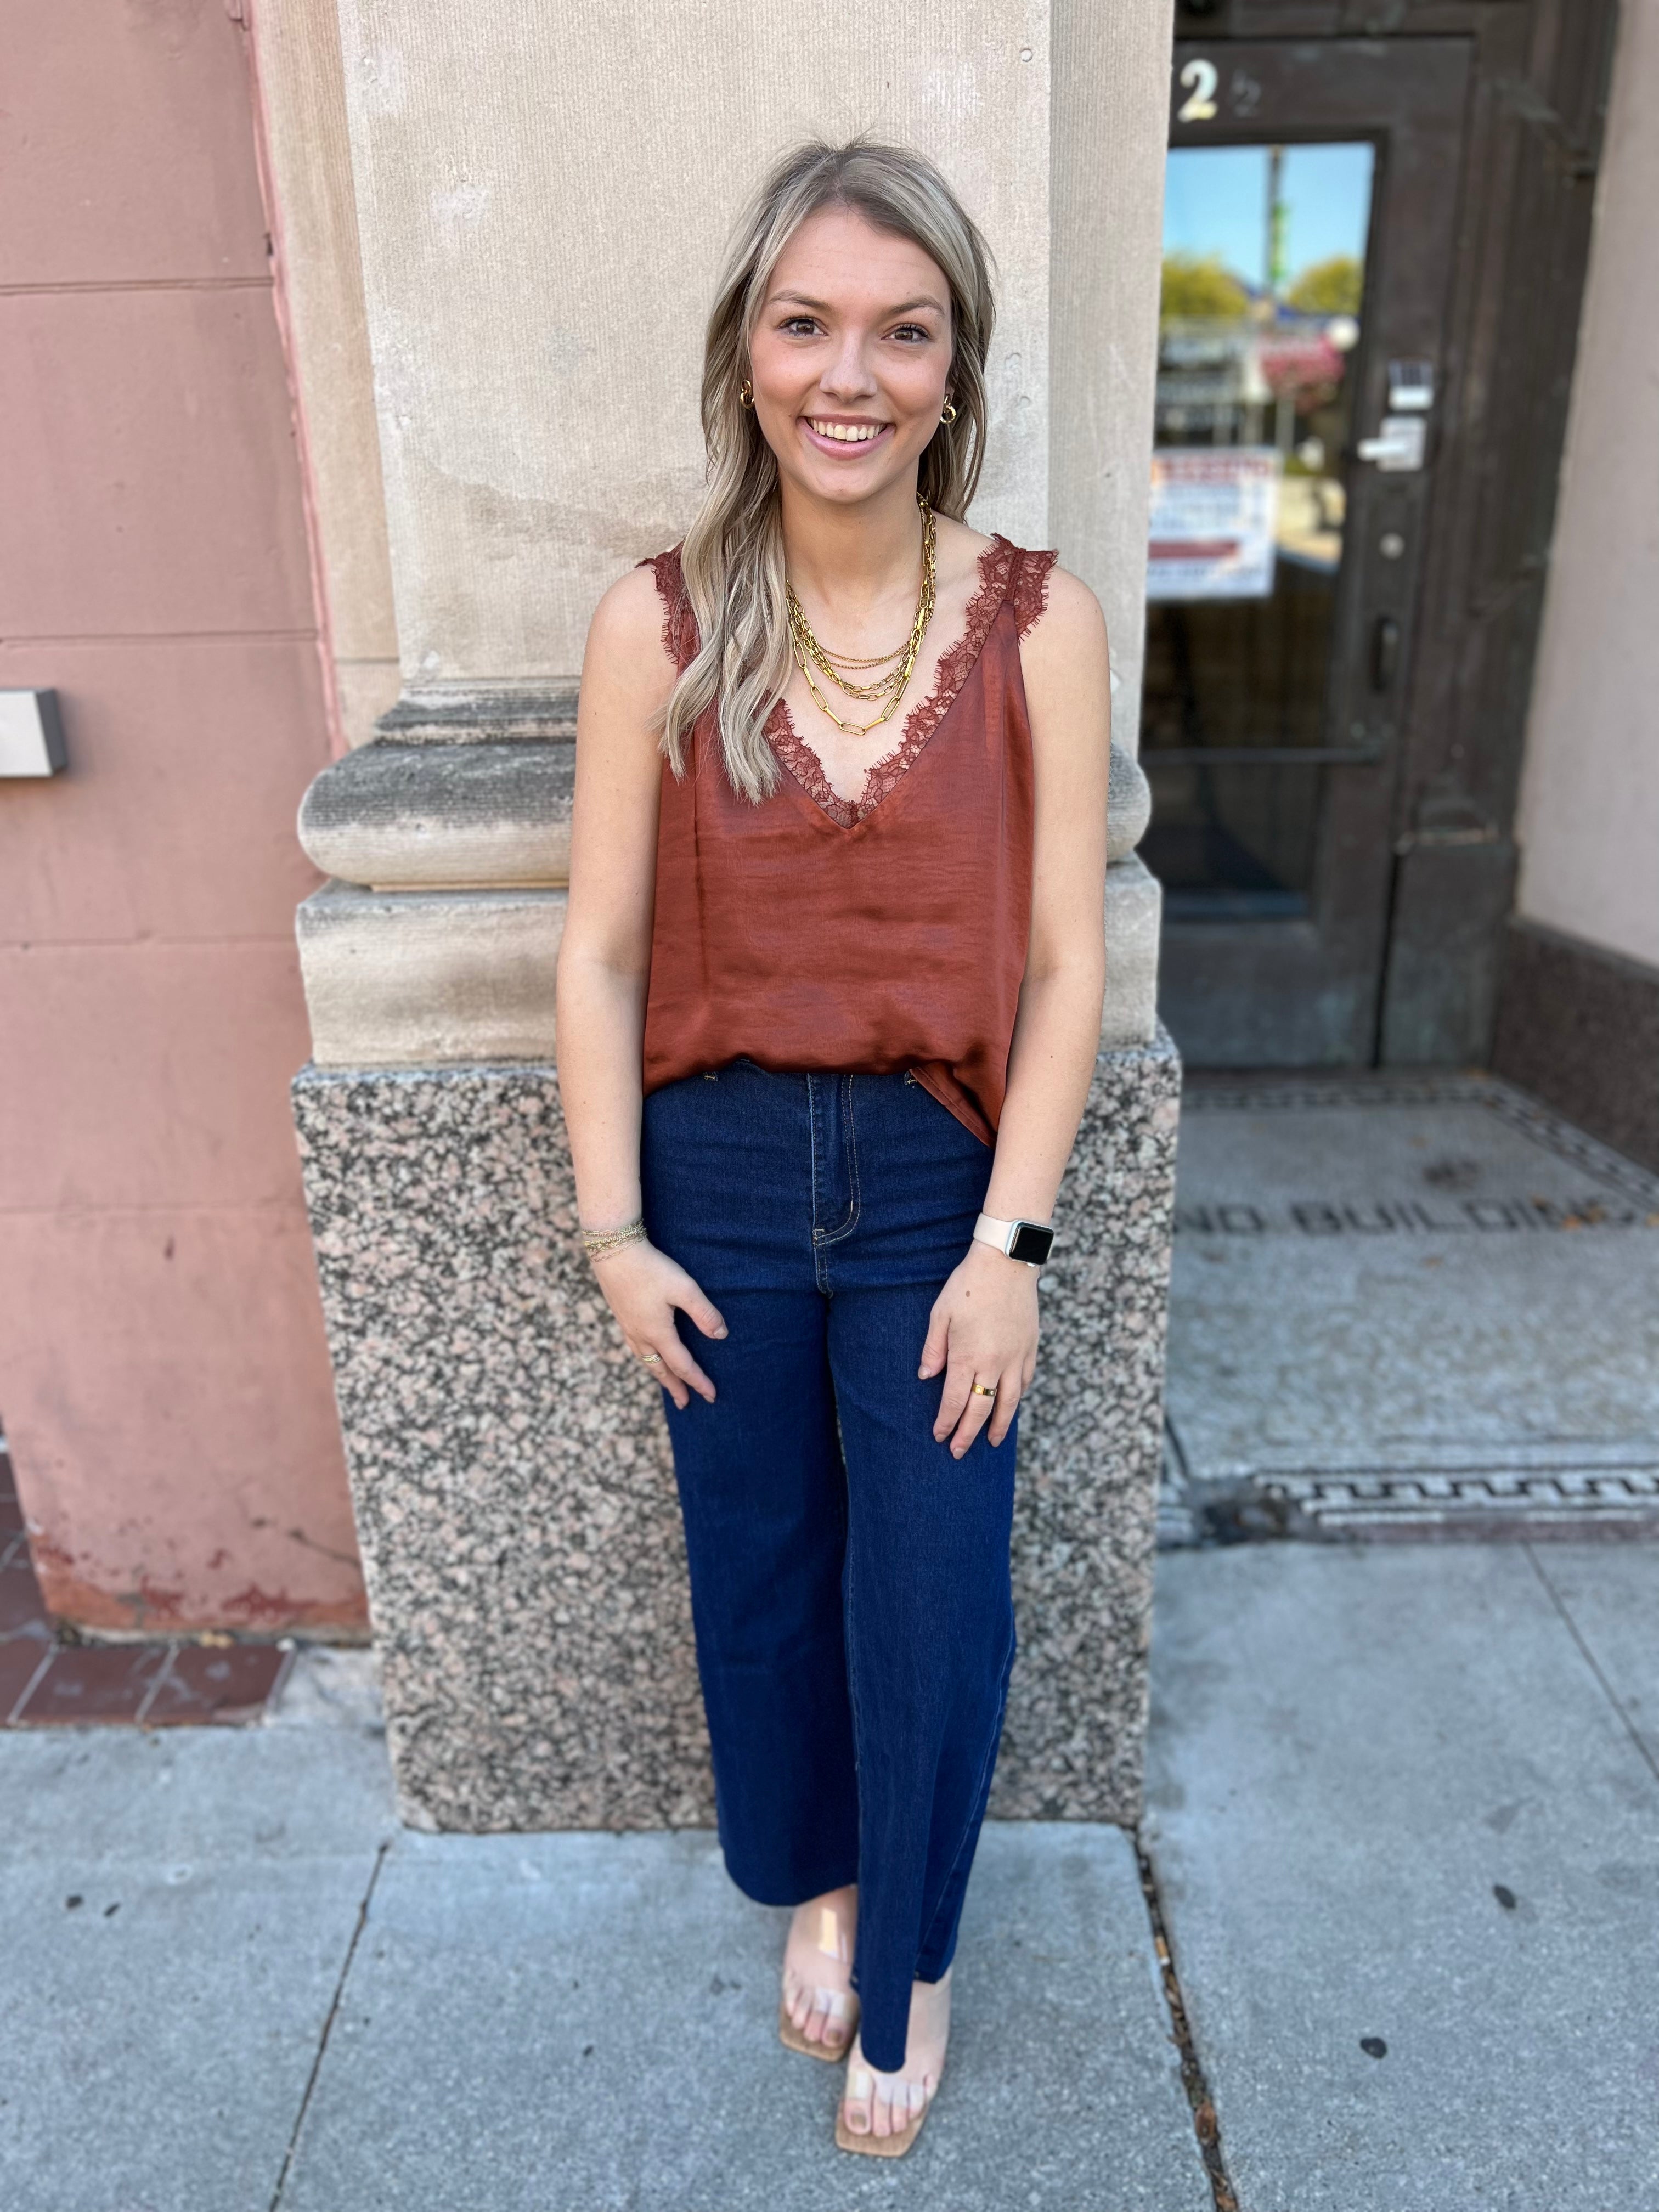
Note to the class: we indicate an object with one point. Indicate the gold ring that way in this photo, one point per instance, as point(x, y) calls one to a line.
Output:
point(646, 1358)
point(985, 1389)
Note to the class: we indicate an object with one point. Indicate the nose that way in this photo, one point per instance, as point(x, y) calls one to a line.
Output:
point(848, 375)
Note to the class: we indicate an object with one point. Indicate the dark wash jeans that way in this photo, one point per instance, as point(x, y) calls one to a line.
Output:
point(850, 1586)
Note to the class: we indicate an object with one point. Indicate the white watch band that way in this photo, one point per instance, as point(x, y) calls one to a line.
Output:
point(989, 1230)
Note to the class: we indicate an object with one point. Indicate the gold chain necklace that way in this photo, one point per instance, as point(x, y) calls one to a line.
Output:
point(809, 653)
point(893, 681)
point(846, 659)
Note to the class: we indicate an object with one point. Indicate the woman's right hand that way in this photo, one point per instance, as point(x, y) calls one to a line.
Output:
point(642, 1287)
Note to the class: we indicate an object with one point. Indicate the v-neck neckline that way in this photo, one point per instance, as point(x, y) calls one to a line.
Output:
point(955, 664)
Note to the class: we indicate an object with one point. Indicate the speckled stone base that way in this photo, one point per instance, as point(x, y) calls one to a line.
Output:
point(514, 1491)
point(1090, 1446)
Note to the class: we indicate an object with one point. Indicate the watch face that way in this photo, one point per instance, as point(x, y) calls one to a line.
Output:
point(1032, 1244)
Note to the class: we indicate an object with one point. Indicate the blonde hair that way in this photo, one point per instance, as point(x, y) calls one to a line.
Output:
point(732, 555)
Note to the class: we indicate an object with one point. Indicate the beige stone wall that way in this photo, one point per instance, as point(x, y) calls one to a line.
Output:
point(544, 195)
point(1589, 815)
point(296, 46)
point(537, 348)
point(1111, 68)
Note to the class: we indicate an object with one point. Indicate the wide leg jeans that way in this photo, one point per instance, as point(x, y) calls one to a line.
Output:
point(850, 1587)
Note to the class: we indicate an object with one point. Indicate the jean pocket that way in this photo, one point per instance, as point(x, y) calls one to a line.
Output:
point(952, 1129)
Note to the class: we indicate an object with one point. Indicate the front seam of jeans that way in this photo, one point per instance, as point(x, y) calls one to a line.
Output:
point(812, 1144)
point(982, 1785)
point(852, 1155)
point(849, 1641)
point(822, 1238)
point(812, 1149)
point(834, 1236)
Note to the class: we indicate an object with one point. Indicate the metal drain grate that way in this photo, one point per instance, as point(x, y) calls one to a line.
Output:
point(1595, 1500)
point(1577, 1502)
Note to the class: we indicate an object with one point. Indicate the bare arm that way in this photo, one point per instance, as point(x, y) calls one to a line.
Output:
point(985, 1323)
point(604, 963)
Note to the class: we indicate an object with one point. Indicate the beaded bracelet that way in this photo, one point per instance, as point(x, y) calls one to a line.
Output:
point(600, 1243)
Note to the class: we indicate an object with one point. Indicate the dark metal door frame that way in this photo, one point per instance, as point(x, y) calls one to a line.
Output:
point(1305, 992)
point(1520, 235)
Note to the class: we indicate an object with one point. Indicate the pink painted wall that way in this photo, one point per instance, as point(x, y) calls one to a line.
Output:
point(164, 1381)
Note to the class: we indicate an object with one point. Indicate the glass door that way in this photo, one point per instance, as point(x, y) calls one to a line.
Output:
point(1307, 237)
point(1260, 323)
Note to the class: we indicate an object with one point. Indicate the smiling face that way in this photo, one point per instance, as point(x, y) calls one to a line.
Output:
point(850, 357)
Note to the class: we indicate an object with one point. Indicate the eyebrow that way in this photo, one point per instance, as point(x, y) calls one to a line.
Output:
point(904, 307)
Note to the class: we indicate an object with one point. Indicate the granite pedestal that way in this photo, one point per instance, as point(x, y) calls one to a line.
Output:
point(513, 1487)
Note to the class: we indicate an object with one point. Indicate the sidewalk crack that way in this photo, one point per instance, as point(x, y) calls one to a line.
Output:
point(1206, 2126)
point(328, 2025)
point(1643, 1748)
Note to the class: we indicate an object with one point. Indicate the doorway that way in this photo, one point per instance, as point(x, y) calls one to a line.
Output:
point(1310, 217)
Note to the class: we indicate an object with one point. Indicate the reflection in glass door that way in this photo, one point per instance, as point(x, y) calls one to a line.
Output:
point(1261, 315)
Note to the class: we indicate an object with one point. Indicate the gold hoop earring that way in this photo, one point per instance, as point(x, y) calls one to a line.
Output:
point(950, 414)
point(745, 393)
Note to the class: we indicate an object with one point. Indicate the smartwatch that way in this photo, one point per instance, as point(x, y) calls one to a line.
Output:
point(1029, 1241)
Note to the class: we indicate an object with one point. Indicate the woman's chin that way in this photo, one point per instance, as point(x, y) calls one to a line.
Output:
point(839, 483)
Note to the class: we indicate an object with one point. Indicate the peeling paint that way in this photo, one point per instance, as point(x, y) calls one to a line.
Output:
point(75, 1599)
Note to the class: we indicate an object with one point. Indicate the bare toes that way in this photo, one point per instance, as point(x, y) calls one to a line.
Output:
point(857, 2101)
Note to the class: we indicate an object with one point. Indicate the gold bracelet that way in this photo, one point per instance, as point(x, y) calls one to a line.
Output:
point(600, 1243)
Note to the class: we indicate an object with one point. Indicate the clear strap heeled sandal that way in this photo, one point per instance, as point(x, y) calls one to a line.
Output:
point(908, 2102)
point(837, 2007)
point(889, 2109)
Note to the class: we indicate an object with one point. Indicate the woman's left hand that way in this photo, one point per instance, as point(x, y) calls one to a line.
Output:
point(983, 1329)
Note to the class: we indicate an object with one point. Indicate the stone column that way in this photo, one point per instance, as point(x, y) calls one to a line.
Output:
point(534, 292)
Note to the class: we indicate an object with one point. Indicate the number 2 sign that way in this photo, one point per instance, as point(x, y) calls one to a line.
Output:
point(1199, 80)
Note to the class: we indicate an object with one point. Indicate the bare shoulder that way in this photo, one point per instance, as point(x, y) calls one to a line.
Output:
point(1065, 664)
point(1067, 673)
point(625, 641)
point(1070, 623)
point(627, 670)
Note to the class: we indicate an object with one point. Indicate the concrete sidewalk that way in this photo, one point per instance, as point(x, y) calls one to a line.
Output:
point(233, 1983)
point(1404, 1812)
point(1404, 1821)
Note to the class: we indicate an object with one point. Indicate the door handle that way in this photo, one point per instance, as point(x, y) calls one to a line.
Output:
point(1385, 652)
point(1401, 446)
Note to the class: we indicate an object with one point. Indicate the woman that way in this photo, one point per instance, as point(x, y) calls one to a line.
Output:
point(829, 1003)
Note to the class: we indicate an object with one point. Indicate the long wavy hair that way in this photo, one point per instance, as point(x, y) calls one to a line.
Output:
point(732, 555)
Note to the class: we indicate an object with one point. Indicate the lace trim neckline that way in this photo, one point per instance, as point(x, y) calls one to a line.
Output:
point(998, 566)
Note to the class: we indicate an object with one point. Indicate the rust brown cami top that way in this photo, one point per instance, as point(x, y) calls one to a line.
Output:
point(811, 932)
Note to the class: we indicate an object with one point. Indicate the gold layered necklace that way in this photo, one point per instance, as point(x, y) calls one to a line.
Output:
point(810, 654)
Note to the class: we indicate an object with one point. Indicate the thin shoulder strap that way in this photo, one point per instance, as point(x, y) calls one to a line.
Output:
point(1028, 586)
point(679, 625)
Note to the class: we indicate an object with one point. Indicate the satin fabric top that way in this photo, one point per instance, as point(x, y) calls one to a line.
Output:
point(810, 933)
